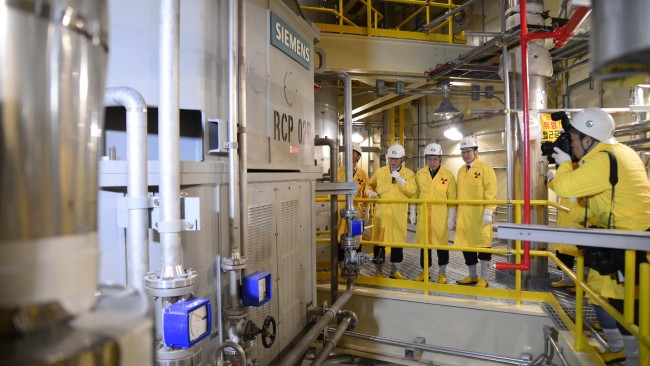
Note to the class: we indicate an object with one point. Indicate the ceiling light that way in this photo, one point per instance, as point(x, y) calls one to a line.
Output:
point(446, 110)
point(357, 138)
point(453, 134)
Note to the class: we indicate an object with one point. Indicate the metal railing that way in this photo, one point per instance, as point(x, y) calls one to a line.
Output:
point(439, 29)
point(641, 330)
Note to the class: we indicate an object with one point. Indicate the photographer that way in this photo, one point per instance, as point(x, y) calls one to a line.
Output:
point(625, 206)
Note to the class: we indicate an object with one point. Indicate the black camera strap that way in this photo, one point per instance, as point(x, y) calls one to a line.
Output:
point(613, 179)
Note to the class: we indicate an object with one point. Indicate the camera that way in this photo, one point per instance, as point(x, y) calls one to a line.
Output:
point(563, 142)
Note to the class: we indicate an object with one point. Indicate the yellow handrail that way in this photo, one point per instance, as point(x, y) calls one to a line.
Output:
point(640, 331)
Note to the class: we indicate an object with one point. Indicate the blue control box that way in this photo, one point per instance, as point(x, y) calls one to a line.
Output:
point(357, 227)
point(256, 289)
point(186, 323)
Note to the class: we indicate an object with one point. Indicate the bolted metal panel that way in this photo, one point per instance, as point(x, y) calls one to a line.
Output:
point(280, 75)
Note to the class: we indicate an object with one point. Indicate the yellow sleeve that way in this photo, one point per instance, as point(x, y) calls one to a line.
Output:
point(340, 174)
point(411, 186)
point(592, 178)
point(489, 186)
point(451, 191)
point(372, 183)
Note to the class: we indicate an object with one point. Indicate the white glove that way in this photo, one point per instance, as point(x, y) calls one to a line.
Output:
point(550, 175)
point(372, 194)
point(398, 178)
point(560, 156)
point(451, 219)
point(487, 217)
point(412, 214)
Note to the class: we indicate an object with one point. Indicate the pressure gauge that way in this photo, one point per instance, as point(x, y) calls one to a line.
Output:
point(185, 323)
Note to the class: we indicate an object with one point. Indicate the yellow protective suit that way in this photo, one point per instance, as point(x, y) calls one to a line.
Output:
point(631, 208)
point(564, 219)
point(441, 187)
point(361, 178)
point(389, 220)
point(477, 183)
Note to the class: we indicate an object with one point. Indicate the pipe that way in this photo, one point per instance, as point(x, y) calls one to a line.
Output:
point(510, 134)
point(347, 133)
point(236, 347)
point(444, 17)
point(331, 342)
point(561, 35)
point(233, 120)
point(305, 342)
point(137, 234)
point(170, 224)
point(525, 263)
point(242, 137)
point(334, 258)
point(438, 349)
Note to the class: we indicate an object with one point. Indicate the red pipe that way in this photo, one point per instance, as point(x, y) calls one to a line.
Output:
point(561, 36)
point(525, 263)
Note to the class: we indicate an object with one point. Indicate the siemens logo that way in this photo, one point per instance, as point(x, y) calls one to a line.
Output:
point(288, 41)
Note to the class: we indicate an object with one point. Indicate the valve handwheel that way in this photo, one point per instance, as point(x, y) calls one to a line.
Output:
point(268, 334)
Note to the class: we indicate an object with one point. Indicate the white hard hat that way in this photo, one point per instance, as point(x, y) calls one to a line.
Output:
point(396, 151)
point(433, 149)
point(596, 123)
point(356, 147)
point(468, 141)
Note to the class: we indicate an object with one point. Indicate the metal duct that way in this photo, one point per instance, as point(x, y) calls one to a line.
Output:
point(52, 74)
point(619, 37)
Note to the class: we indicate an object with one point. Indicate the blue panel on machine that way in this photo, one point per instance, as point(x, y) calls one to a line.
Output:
point(357, 227)
point(256, 289)
point(186, 323)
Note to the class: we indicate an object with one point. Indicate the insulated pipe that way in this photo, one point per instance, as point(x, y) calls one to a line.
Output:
point(331, 342)
point(510, 148)
point(170, 224)
point(562, 36)
point(305, 342)
point(233, 121)
point(137, 234)
point(334, 258)
point(524, 265)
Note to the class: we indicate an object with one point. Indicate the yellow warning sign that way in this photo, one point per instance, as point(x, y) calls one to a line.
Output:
point(550, 129)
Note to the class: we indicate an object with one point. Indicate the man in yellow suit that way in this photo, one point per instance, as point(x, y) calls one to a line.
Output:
point(360, 177)
point(392, 181)
point(434, 182)
point(475, 181)
point(624, 206)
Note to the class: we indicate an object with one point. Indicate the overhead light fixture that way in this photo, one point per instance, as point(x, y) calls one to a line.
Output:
point(357, 138)
point(453, 134)
point(446, 111)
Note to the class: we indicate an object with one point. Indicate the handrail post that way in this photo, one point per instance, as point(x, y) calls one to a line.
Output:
point(644, 312)
point(629, 286)
point(580, 268)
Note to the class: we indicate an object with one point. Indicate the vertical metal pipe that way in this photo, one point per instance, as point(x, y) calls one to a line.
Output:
point(233, 120)
point(347, 133)
point(334, 232)
point(242, 137)
point(169, 135)
point(137, 234)
point(510, 148)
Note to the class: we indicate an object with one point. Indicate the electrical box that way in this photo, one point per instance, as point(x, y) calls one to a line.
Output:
point(186, 323)
point(256, 289)
point(357, 227)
